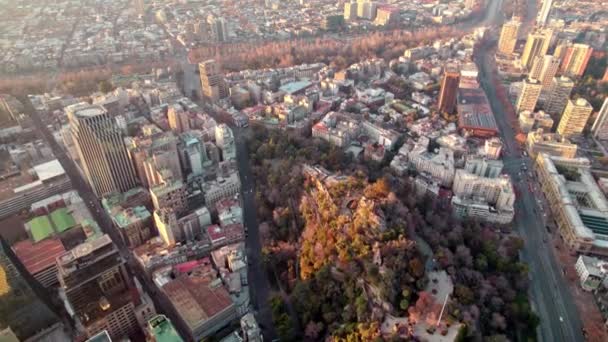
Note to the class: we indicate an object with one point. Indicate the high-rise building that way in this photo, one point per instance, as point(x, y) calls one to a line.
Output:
point(508, 36)
point(544, 69)
point(179, 120)
point(543, 14)
point(21, 305)
point(195, 155)
point(575, 58)
point(537, 44)
point(575, 118)
point(529, 95)
point(600, 126)
point(449, 89)
point(97, 289)
point(559, 93)
point(350, 11)
point(101, 149)
point(170, 195)
point(218, 28)
point(212, 81)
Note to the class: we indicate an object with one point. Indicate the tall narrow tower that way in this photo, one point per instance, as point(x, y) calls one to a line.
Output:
point(101, 149)
point(536, 45)
point(529, 96)
point(508, 36)
point(212, 80)
point(543, 14)
point(449, 87)
point(600, 126)
point(575, 118)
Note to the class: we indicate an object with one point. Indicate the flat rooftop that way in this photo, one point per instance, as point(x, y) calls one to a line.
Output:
point(39, 256)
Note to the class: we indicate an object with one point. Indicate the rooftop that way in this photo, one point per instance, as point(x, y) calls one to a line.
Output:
point(197, 300)
point(162, 330)
point(38, 256)
point(62, 220)
point(40, 228)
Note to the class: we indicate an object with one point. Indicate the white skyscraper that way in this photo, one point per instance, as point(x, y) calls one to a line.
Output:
point(600, 126)
point(543, 14)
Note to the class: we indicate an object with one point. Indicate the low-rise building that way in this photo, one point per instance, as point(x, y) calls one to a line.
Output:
point(222, 187)
point(550, 143)
point(592, 272)
point(578, 206)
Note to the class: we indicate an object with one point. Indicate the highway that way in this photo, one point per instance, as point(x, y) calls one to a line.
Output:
point(551, 299)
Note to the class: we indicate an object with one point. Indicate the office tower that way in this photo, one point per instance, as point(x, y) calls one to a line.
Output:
point(508, 36)
point(544, 69)
point(224, 139)
point(212, 81)
point(537, 44)
point(101, 149)
point(449, 89)
point(575, 59)
point(575, 118)
point(195, 155)
point(97, 289)
point(21, 305)
point(218, 28)
point(559, 93)
point(350, 11)
point(543, 14)
point(179, 119)
point(600, 126)
point(528, 96)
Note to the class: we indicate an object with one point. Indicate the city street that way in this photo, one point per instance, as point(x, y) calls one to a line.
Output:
point(99, 214)
point(551, 299)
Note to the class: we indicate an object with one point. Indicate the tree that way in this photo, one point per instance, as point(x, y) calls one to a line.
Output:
point(105, 86)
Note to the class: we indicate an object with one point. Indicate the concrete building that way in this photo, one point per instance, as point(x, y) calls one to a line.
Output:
point(559, 93)
point(101, 149)
point(172, 195)
point(38, 258)
point(544, 69)
point(179, 119)
point(528, 97)
point(449, 91)
point(492, 148)
point(488, 199)
point(161, 329)
point(549, 143)
point(212, 81)
point(250, 328)
point(218, 28)
point(574, 57)
point(350, 11)
point(224, 139)
point(97, 289)
point(508, 36)
point(483, 167)
point(529, 121)
point(577, 203)
point(537, 44)
point(439, 165)
point(592, 272)
point(41, 181)
point(222, 187)
point(195, 154)
point(201, 302)
point(543, 14)
point(600, 126)
point(23, 309)
point(575, 118)
point(155, 156)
